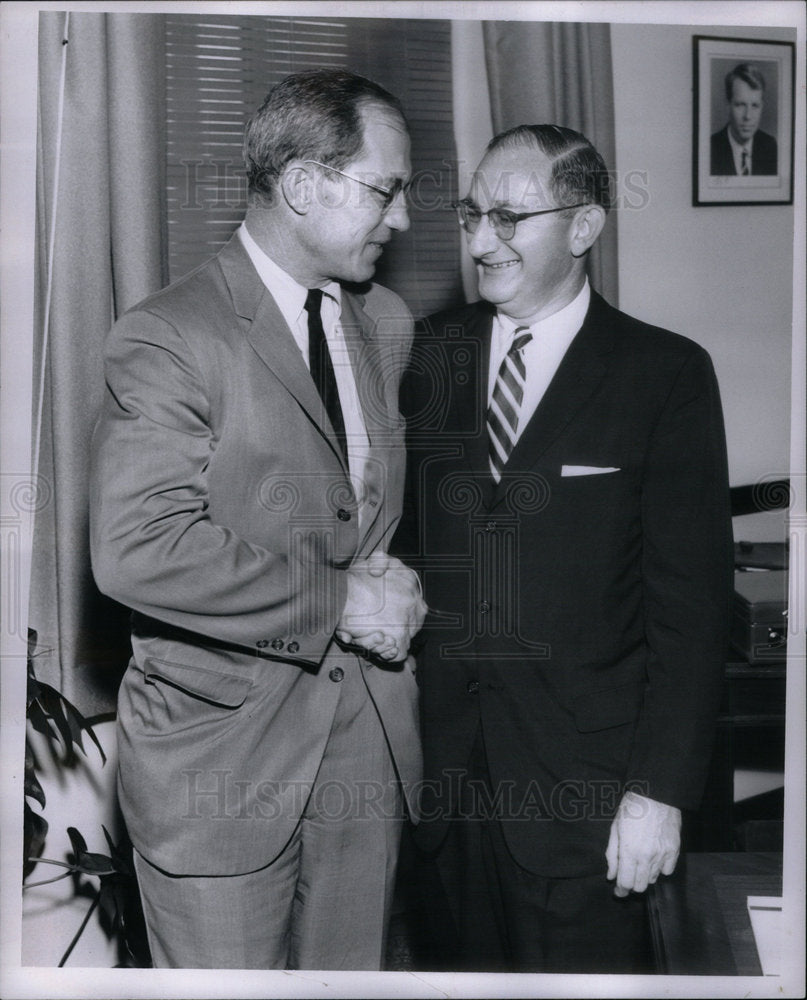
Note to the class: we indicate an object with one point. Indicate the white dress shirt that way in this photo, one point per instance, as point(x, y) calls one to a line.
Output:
point(551, 338)
point(290, 297)
point(737, 152)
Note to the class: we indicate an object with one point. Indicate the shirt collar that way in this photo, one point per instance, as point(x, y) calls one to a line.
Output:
point(739, 146)
point(568, 319)
point(289, 294)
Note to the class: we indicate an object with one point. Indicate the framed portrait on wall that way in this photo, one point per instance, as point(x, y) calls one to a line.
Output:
point(742, 136)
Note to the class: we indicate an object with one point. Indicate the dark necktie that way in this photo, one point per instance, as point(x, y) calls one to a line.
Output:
point(505, 403)
point(321, 366)
point(745, 166)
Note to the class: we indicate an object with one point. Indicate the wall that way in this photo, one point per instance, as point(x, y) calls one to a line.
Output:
point(720, 275)
point(83, 797)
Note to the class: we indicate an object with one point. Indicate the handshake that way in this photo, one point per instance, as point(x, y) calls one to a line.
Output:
point(384, 607)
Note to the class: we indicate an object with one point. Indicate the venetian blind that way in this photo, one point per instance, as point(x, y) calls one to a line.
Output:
point(219, 68)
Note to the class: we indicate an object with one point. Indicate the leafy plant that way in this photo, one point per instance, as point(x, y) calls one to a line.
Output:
point(116, 897)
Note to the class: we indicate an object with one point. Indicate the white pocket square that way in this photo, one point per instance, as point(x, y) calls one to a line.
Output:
point(587, 470)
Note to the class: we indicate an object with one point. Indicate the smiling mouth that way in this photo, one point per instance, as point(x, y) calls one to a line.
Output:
point(497, 265)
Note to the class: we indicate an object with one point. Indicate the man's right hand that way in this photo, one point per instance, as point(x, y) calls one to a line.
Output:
point(384, 607)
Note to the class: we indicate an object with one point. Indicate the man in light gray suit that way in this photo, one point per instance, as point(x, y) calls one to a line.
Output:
point(247, 475)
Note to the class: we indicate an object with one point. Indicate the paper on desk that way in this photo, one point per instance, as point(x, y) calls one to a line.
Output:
point(766, 922)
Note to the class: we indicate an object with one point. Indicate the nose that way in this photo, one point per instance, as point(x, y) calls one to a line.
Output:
point(397, 216)
point(484, 240)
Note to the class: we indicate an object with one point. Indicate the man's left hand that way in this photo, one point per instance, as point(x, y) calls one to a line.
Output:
point(644, 843)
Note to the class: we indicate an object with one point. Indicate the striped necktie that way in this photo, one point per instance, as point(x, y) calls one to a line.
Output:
point(505, 403)
point(745, 166)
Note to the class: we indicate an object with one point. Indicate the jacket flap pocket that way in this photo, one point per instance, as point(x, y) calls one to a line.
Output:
point(223, 689)
point(612, 707)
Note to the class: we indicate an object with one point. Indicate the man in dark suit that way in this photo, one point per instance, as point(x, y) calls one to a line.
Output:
point(741, 148)
point(567, 505)
point(247, 476)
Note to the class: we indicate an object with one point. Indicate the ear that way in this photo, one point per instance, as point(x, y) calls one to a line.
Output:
point(586, 227)
point(297, 185)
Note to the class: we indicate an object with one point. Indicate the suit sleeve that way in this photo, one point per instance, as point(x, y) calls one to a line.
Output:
point(687, 574)
point(154, 547)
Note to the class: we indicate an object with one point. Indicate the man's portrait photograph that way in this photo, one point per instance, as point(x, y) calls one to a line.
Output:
point(743, 100)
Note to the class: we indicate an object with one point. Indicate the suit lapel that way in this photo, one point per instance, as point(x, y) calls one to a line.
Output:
point(580, 373)
point(471, 393)
point(271, 338)
point(368, 372)
point(357, 328)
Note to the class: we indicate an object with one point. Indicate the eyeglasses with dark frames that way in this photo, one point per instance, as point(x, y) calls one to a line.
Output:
point(502, 220)
point(388, 195)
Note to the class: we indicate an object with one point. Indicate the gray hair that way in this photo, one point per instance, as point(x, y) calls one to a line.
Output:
point(578, 171)
point(316, 115)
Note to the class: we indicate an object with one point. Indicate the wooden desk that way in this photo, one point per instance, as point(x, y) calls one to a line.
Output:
point(750, 734)
point(699, 916)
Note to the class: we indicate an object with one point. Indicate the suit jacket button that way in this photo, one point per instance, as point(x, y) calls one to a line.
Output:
point(336, 674)
point(472, 687)
point(294, 647)
point(262, 643)
point(484, 607)
point(343, 514)
point(277, 644)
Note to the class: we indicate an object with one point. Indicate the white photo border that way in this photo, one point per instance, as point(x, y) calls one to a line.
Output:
point(756, 190)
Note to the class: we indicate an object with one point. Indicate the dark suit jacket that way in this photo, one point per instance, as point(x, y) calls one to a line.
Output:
point(222, 514)
point(764, 160)
point(578, 612)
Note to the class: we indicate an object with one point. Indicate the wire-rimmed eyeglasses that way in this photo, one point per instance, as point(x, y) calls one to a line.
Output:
point(502, 220)
point(388, 195)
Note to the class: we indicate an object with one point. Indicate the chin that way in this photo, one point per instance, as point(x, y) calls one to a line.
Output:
point(361, 275)
point(494, 290)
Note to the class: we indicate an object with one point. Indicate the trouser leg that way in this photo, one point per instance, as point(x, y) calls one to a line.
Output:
point(325, 902)
point(350, 835)
point(226, 922)
point(490, 914)
point(573, 925)
point(459, 888)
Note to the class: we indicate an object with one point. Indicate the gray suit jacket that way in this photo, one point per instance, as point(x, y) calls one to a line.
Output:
point(223, 515)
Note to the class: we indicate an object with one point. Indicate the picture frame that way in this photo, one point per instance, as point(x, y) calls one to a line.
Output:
point(742, 150)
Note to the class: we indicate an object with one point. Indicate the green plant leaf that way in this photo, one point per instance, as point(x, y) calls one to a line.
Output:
point(32, 688)
point(87, 861)
point(112, 900)
point(79, 724)
point(121, 860)
point(78, 843)
point(35, 828)
point(67, 719)
point(40, 721)
point(51, 703)
point(95, 864)
point(33, 684)
point(31, 785)
point(48, 708)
